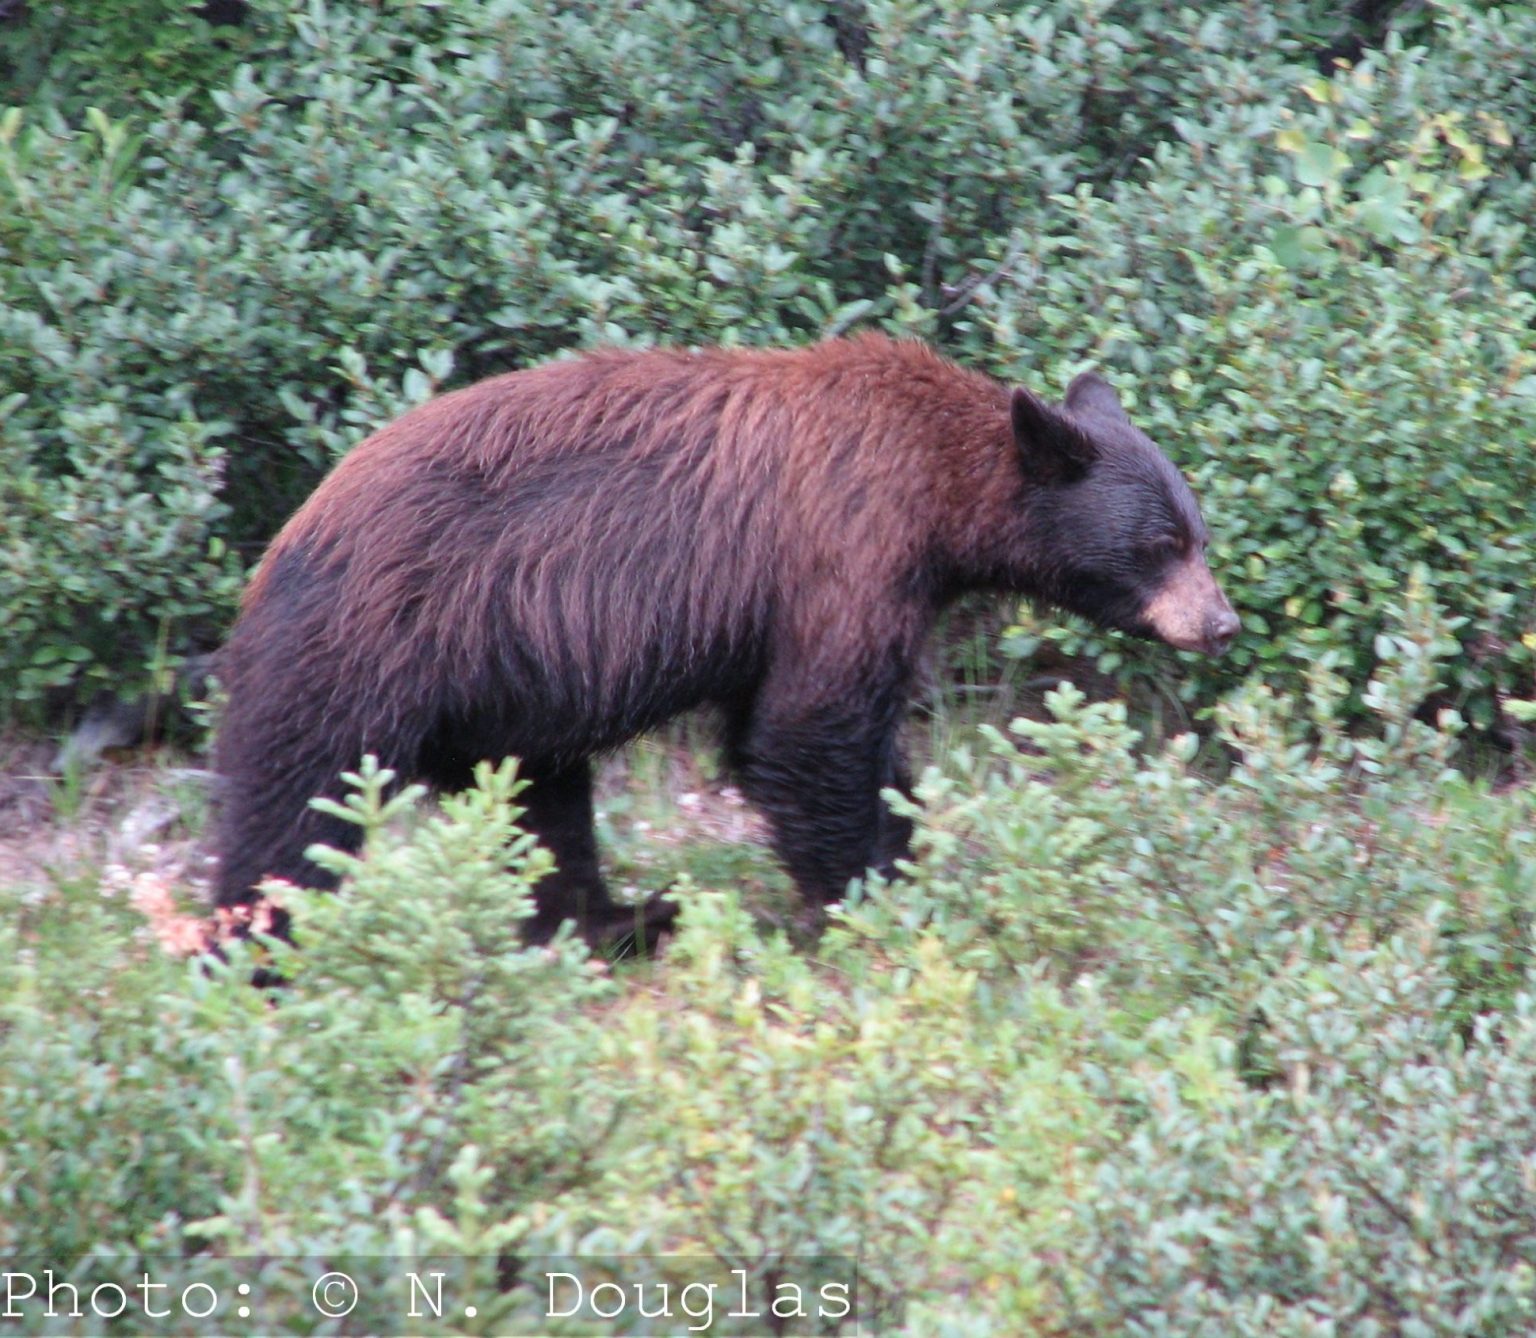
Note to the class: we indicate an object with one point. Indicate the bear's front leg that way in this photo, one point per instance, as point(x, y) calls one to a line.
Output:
point(816, 770)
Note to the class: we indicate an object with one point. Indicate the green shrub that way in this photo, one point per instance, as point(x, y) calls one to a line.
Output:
point(1384, 1188)
point(170, 1108)
point(1332, 337)
point(1317, 836)
point(111, 503)
point(1135, 1048)
point(1316, 289)
point(1306, 990)
point(123, 54)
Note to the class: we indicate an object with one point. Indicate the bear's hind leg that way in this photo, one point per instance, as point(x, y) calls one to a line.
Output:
point(265, 825)
point(559, 814)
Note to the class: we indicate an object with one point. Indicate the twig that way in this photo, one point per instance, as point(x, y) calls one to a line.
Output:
point(961, 294)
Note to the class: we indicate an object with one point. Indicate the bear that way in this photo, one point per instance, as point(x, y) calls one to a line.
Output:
point(551, 561)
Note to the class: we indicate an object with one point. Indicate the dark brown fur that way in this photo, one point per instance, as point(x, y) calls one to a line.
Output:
point(550, 562)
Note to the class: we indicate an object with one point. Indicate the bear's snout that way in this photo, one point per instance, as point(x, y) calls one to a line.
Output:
point(1190, 612)
point(1222, 629)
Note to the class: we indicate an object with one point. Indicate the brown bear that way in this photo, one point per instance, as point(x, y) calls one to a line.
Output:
point(550, 562)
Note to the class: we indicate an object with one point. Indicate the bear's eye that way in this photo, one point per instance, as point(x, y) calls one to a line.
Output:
point(1165, 545)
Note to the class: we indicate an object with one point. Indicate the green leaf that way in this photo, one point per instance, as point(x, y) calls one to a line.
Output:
point(1318, 164)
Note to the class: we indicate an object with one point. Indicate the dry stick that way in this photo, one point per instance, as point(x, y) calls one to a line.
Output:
point(961, 294)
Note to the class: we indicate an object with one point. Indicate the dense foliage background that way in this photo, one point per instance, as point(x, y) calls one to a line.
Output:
point(238, 236)
point(1229, 1035)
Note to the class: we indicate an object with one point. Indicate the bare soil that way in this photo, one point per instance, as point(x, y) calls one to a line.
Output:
point(133, 823)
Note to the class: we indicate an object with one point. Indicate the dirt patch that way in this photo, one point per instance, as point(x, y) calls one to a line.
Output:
point(131, 825)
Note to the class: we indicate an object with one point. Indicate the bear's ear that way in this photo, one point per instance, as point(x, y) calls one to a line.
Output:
point(1055, 449)
point(1091, 393)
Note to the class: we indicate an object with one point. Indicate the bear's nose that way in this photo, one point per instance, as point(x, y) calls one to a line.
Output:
point(1220, 632)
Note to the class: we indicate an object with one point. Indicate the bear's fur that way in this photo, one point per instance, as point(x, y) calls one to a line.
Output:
point(553, 561)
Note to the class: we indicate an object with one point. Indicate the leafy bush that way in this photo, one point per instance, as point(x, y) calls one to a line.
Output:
point(120, 54)
point(1316, 838)
point(1315, 288)
point(111, 503)
point(1334, 335)
point(178, 1109)
point(1132, 1050)
point(1384, 1188)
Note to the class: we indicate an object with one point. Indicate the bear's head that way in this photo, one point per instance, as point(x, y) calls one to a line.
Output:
point(1113, 531)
